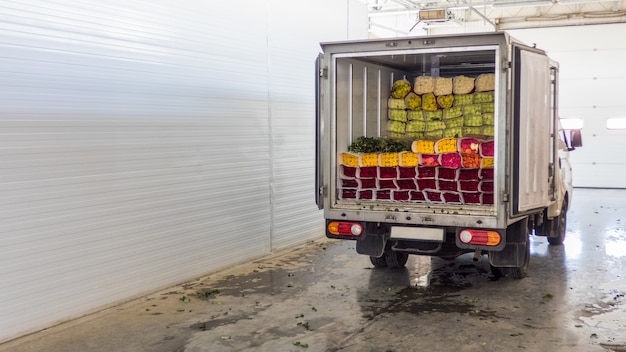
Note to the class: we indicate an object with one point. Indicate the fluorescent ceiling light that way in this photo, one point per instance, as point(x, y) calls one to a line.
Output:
point(572, 123)
point(616, 123)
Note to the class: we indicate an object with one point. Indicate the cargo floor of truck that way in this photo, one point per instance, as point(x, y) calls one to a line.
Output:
point(322, 296)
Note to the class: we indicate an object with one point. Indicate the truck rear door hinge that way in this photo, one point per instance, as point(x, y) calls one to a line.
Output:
point(505, 197)
point(324, 72)
point(323, 191)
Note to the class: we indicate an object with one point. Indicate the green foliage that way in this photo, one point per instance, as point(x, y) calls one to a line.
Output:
point(374, 144)
point(365, 145)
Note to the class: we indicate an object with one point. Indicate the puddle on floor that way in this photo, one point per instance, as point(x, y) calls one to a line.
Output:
point(615, 243)
point(606, 317)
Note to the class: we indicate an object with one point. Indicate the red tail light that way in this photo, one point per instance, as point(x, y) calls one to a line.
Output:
point(345, 228)
point(480, 237)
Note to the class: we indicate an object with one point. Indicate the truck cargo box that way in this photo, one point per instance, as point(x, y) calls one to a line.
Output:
point(431, 135)
point(360, 77)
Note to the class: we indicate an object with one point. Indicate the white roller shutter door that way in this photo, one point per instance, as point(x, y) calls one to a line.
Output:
point(143, 143)
point(591, 88)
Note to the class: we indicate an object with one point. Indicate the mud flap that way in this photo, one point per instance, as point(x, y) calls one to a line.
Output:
point(513, 255)
point(548, 228)
point(515, 252)
point(373, 246)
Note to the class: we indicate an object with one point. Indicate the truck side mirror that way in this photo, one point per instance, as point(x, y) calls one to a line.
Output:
point(576, 138)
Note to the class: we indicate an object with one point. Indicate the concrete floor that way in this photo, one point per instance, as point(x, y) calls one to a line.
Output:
point(324, 297)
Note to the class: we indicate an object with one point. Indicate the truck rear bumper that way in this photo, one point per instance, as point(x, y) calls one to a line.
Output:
point(440, 241)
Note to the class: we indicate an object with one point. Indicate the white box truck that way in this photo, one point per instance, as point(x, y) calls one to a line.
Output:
point(441, 146)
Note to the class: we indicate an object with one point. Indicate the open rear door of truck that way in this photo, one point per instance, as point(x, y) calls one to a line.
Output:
point(532, 104)
point(320, 73)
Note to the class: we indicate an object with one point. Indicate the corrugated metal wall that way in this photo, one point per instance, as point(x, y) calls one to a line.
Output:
point(143, 143)
point(292, 106)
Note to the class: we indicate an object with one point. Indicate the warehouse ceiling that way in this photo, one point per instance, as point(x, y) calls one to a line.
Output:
point(404, 16)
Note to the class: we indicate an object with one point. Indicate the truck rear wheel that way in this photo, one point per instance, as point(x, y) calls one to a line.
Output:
point(513, 261)
point(514, 272)
point(396, 259)
point(390, 258)
point(557, 235)
point(497, 272)
point(379, 262)
point(521, 272)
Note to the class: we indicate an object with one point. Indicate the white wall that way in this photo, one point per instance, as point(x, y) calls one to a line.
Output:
point(143, 143)
point(293, 44)
point(591, 84)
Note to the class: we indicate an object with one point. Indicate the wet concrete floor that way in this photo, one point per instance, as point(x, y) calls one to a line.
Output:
point(322, 296)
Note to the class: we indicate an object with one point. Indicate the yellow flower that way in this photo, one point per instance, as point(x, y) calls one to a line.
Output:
point(400, 88)
point(350, 159)
point(408, 159)
point(423, 146)
point(445, 101)
point(487, 163)
point(388, 159)
point(429, 102)
point(368, 159)
point(446, 145)
point(413, 101)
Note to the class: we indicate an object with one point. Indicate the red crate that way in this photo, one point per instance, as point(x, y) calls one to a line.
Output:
point(471, 197)
point(367, 183)
point(407, 172)
point(433, 196)
point(383, 194)
point(417, 195)
point(469, 186)
point(400, 195)
point(451, 197)
point(427, 184)
point(406, 184)
point(365, 194)
point(426, 172)
point(367, 172)
point(348, 171)
point(469, 174)
point(486, 174)
point(387, 172)
point(386, 184)
point(447, 173)
point(347, 194)
point(486, 186)
point(444, 185)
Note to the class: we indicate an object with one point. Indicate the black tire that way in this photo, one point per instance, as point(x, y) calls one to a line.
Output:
point(518, 231)
point(395, 259)
point(558, 236)
point(521, 272)
point(497, 272)
point(379, 262)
